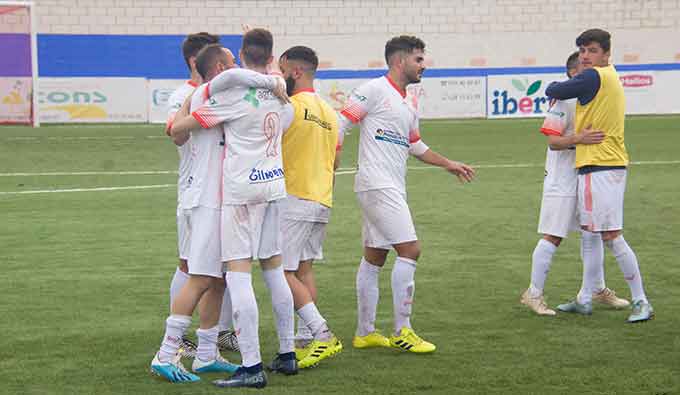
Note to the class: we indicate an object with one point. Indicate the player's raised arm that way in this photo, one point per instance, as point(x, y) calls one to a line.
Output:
point(247, 78)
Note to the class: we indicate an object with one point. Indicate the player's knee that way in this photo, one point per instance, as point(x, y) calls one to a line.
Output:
point(554, 240)
point(410, 250)
point(610, 235)
point(183, 266)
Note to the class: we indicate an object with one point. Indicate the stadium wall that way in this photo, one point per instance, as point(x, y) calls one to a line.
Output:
point(483, 55)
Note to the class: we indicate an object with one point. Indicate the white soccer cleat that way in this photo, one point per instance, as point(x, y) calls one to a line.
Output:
point(536, 304)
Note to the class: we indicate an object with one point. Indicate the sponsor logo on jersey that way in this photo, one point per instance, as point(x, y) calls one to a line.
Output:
point(391, 137)
point(308, 116)
point(636, 80)
point(521, 100)
point(258, 176)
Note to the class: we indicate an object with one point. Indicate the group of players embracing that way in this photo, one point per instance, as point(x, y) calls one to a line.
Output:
point(258, 152)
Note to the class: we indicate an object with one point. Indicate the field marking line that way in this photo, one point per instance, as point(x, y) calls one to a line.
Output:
point(340, 171)
point(98, 189)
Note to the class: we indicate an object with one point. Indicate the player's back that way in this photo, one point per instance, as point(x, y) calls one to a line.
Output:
point(253, 126)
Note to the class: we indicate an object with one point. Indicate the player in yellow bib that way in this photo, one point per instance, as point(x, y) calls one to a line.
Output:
point(311, 148)
point(601, 105)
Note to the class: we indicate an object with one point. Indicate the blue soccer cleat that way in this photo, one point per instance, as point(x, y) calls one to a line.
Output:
point(575, 307)
point(641, 312)
point(172, 371)
point(217, 365)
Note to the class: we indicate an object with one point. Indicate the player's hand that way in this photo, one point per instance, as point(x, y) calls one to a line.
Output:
point(464, 172)
point(280, 90)
point(590, 136)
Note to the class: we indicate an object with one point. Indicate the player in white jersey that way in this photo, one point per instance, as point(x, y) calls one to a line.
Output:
point(559, 214)
point(253, 122)
point(389, 133)
point(190, 47)
point(203, 201)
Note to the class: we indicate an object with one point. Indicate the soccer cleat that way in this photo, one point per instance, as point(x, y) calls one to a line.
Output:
point(373, 339)
point(286, 365)
point(608, 297)
point(536, 304)
point(575, 307)
point(319, 350)
point(243, 379)
point(409, 341)
point(227, 341)
point(641, 312)
point(187, 348)
point(302, 348)
point(172, 371)
point(219, 365)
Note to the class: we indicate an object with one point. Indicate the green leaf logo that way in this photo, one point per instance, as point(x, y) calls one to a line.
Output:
point(534, 87)
point(519, 85)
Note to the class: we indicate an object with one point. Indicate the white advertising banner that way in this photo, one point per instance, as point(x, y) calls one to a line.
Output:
point(92, 100)
point(15, 99)
point(157, 97)
point(455, 97)
point(518, 96)
point(651, 92)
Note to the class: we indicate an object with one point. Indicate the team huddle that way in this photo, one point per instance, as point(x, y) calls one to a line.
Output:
point(258, 153)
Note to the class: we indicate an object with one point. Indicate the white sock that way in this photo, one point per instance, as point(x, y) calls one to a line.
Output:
point(403, 290)
point(628, 263)
point(315, 321)
point(178, 280)
point(592, 254)
point(367, 297)
point(207, 343)
point(303, 331)
point(226, 321)
point(540, 266)
point(245, 317)
point(282, 303)
point(175, 327)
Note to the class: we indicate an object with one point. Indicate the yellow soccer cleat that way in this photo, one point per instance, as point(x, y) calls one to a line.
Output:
point(319, 350)
point(373, 339)
point(409, 341)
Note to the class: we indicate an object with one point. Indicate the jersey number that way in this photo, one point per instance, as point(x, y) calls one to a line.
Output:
point(272, 128)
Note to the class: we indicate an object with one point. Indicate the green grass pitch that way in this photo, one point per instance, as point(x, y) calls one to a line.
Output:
point(85, 275)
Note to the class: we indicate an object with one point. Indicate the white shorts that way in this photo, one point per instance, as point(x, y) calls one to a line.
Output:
point(250, 231)
point(386, 218)
point(183, 233)
point(304, 241)
point(600, 199)
point(558, 216)
point(204, 252)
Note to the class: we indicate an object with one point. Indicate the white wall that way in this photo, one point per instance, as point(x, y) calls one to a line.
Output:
point(352, 33)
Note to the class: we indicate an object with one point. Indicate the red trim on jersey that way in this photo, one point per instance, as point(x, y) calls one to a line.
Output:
point(206, 92)
point(414, 136)
point(168, 126)
point(394, 85)
point(550, 132)
point(192, 83)
point(350, 115)
point(310, 90)
point(204, 118)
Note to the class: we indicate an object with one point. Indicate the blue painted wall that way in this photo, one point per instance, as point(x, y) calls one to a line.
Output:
point(160, 57)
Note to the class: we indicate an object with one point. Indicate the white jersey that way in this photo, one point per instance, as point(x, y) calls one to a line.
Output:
point(253, 121)
point(560, 174)
point(175, 102)
point(389, 132)
point(207, 153)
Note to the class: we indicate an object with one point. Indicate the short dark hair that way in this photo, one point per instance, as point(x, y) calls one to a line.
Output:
point(303, 54)
point(208, 57)
point(257, 47)
point(572, 62)
point(599, 36)
point(402, 43)
point(194, 42)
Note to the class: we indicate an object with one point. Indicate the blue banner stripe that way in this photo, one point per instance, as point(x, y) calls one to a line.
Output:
point(160, 57)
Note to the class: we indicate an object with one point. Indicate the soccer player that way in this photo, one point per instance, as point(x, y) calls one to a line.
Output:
point(202, 200)
point(558, 207)
point(190, 47)
point(602, 167)
point(253, 183)
point(389, 132)
point(311, 149)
